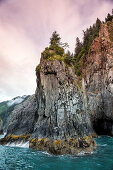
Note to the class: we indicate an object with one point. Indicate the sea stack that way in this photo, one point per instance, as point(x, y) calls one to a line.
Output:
point(68, 108)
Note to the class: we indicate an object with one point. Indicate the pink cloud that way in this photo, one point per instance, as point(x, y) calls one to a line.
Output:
point(25, 29)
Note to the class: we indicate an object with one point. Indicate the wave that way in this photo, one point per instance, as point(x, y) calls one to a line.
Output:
point(17, 144)
point(102, 144)
point(82, 153)
point(2, 136)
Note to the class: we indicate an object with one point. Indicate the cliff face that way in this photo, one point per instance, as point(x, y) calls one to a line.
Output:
point(57, 110)
point(6, 108)
point(60, 101)
point(64, 106)
point(99, 81)
point(23, 117)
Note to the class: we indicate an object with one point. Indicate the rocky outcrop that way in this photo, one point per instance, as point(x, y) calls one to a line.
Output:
point(60, 102)
point(65, 107)
point(57, 147)
point(23, 117)
point(6, 108)
point(57, 110)
point(66, 146)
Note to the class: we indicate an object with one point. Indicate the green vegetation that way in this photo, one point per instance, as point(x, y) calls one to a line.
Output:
point(82, 48)
point(38, 67)
point(3, 107)
point(6, 110)
point(110, 29)
point(109, 17)
point(56, 49)
point(56, 57)
point(68, 59)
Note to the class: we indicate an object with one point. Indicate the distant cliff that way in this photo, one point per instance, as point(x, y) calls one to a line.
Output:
point(6, 108)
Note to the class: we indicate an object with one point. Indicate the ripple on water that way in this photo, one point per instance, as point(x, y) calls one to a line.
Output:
point(25, 158)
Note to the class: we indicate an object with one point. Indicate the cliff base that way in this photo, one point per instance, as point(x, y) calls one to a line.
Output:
point(57, 147)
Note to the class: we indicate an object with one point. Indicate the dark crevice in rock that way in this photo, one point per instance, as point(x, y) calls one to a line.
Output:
point(36, 116)
point(50, 72)
point(103, 126)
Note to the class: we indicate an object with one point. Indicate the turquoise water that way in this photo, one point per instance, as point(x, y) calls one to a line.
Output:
point(15, 158)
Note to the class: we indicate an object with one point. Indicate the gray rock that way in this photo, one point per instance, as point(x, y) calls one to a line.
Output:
point(23, 117)
point(1, 127)
point(62, 106)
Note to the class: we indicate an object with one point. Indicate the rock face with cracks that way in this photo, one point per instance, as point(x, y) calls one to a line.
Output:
point(60, 102)
point(64, 107)
point(98, 82)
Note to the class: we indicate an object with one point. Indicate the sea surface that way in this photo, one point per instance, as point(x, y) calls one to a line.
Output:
point(19, 158)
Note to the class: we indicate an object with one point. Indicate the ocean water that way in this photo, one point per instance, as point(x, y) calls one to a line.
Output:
point(17, 158)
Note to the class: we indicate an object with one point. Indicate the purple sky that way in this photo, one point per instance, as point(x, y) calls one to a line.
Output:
point(25, 29)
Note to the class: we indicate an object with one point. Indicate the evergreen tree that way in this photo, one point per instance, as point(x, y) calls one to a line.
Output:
point(78, 46)
point(109, 17)
point(98, 23)
point(68, 58)
point(55, 39)
point(82, 49)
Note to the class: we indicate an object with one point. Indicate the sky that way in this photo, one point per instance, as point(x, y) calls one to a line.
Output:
point(25, 29)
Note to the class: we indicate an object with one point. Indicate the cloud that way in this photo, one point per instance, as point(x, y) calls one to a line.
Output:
point(25, 29)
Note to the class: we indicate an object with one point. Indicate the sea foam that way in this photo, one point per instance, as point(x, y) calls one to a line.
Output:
point(17, 144)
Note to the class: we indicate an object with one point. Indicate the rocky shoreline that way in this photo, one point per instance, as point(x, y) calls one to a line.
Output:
point(62, 147)
point(57, 147)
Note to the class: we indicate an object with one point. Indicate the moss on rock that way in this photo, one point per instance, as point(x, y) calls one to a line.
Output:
point(64, 146)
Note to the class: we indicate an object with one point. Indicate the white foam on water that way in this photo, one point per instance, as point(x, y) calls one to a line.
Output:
point(82, 153)
point(21, 144)
point(102, 145)
point(46, 153)
point(2, 136)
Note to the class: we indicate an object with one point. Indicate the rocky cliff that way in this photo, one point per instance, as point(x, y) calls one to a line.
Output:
point(6, 108)
point(66, 107)
point(98, 81)
point(57, 110)
point(60, 102)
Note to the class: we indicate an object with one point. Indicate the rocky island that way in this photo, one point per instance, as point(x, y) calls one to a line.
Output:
point(73, 101)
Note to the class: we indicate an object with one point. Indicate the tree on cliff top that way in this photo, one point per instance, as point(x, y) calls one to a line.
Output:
point(109, 17)
point(55, 39)
point(55, 48)
point(55, 44)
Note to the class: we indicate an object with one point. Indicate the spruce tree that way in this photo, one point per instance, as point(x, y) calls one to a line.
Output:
point(78, 46)
point(55, 39)
point(109, 17)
